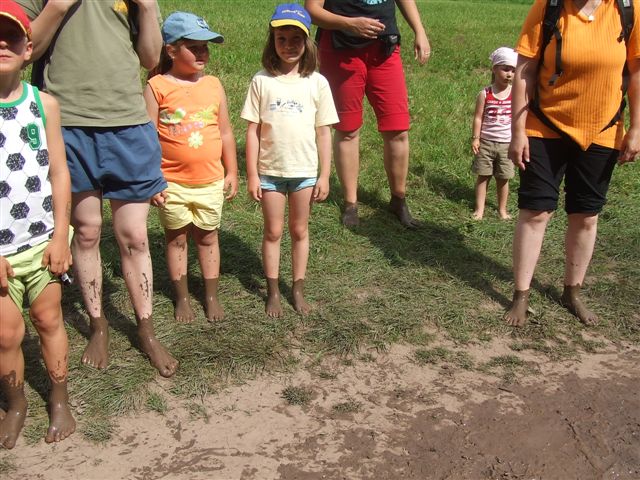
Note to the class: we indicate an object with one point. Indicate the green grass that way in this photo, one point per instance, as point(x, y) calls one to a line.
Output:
point(373, 286)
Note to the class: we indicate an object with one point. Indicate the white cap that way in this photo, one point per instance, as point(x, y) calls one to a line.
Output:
point(504, 56)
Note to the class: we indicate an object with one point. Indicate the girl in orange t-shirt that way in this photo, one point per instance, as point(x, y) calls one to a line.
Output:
point(190, 112)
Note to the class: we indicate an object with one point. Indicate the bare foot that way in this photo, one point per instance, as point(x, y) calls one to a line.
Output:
point(350, 215)
point(158, 355)
point(477, 215)
point(571, 300)
point(517, 314)
point(273, 306)
point(61, 422)
point(96, 353)
point(12, 421)
point(213, 309)
point(299, 303)
point(398, 206)
point(504, 216)
point(183, 312)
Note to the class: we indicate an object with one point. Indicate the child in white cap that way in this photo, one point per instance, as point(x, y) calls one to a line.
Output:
point(492, 133)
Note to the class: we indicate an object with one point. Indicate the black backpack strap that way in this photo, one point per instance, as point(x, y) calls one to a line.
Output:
point(37, 68)
point(550, 29)
point(626, 18)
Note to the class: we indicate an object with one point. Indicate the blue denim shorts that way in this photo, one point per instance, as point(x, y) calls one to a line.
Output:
point(284, 184)
point(122, 162)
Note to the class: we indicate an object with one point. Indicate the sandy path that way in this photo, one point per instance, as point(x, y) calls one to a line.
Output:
point(578, 419)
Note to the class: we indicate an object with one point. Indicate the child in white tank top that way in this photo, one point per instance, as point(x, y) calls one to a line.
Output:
point(492, 133)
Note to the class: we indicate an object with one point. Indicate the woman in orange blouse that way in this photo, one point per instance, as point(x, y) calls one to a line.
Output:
point(577, 139)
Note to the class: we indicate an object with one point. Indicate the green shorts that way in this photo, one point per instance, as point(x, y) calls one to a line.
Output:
point(29, 274)
point(492, 160)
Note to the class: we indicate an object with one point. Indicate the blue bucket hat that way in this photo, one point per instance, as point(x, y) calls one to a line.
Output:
point(291, 14)
point(186, 25)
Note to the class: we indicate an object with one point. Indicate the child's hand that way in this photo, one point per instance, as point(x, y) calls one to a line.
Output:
point(253, 187)
point(159, 199)
point(6, 272)
point(320, 190)
point(475, 146)
point(57, 255)
point(231, 186)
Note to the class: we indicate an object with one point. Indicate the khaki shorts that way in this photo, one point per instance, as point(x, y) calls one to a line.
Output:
point(29, 274)
point(197, 204)
point(493, 161)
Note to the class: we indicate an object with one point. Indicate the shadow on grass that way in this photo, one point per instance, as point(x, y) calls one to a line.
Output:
point(436, 246)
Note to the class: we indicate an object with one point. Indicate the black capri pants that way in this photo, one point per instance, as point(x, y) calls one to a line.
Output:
point(586, 175)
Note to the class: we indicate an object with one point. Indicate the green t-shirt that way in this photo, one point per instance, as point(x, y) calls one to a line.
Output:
point(94, 70)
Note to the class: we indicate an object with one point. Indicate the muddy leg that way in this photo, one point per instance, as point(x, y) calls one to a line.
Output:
point(158, 355)
point(214, 310)
point(273, 306)
point(183, 312)
point(350, 215)
point(299, 303)
point(517, 314)
point(96, 353)
point(572, 301)
point(398, 206)
point(13, 421)
point(61, 422)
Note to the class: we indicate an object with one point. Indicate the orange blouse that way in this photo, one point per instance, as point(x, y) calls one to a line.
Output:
point(188, 129)
point(587, 95)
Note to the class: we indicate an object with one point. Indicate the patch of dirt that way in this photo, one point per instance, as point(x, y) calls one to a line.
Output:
point(566, 420)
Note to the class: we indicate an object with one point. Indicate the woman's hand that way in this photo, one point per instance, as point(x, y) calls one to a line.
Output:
point(421, 48)
point(630, 146)
point(519, 150)
point(365, 27)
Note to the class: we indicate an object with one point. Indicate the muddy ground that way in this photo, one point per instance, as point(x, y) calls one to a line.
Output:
point(385, 418)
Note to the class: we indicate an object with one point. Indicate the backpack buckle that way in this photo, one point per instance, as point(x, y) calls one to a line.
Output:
point(554, 3)
point(625, 3)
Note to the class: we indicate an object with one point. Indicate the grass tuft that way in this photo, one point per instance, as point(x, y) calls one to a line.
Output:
point(297, 395)
point(97, 430)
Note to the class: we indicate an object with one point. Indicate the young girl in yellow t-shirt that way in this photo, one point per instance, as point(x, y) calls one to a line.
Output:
point(289, 108)
point(199, 162)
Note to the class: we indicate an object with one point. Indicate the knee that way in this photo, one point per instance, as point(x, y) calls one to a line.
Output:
point(87, 234)
point(134, 240)
point(535, 217)
point(583, 221)
point(346, 137)
point(298, 232)
point(272, 233)
point(46, 320)
point(400, 137)
point(11, 333)
point(208, 238)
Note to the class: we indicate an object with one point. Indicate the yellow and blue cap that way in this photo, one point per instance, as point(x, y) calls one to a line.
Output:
point(291, 14)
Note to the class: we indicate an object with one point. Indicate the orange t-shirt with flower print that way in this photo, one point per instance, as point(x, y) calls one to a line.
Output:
point(587, 95)
point(188, 129)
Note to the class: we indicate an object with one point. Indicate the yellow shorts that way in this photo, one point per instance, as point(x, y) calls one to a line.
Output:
point(197, 204)
point(29, 274)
